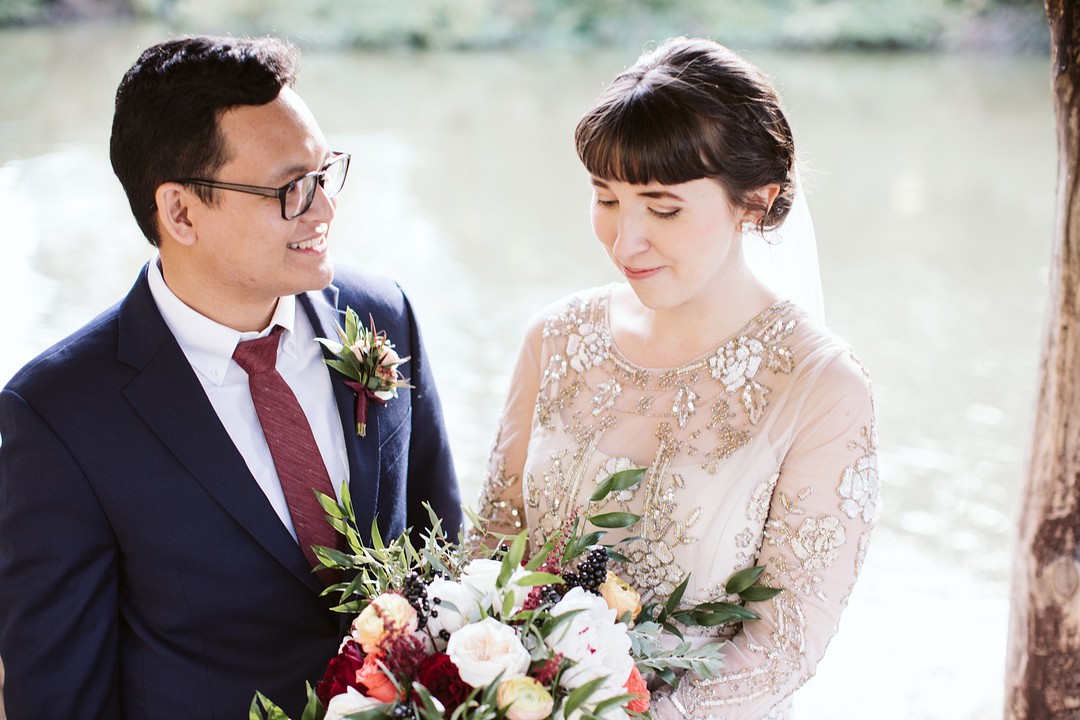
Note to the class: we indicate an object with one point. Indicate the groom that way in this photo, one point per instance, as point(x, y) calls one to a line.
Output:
point(156, 467)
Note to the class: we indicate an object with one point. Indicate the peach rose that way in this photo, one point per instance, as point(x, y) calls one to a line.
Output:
point(620, 597)
point(378, 685)
point(388, 616)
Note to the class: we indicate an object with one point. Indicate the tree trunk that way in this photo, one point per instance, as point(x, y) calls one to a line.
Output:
point(1043, 671)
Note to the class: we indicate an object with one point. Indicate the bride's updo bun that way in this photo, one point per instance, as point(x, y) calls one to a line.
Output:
point(693, 109)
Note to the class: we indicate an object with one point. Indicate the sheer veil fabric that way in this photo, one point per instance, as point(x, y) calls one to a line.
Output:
point(786, 258)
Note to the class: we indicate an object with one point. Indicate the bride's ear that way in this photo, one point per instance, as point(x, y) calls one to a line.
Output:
point(761, 199)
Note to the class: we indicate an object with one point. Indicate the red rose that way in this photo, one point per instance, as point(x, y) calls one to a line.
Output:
point(440, 676)
point(341, 672)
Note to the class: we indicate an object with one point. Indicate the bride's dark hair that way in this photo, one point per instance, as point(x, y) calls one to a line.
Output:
point(693, 109)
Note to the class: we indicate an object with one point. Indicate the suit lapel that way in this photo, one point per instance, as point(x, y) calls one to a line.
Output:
point(325, 314)
point(170, 399)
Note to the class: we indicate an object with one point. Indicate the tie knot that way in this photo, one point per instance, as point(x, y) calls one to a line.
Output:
point(258, 355)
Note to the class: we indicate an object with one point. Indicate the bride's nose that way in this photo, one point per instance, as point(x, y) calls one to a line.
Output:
point(631, 238)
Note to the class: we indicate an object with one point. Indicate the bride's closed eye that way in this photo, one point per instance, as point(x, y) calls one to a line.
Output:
point(664, 215)
point(606, 203)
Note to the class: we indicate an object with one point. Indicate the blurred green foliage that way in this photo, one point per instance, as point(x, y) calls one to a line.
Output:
point(1014, 25)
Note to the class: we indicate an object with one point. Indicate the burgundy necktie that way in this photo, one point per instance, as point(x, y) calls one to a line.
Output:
point(299, 464)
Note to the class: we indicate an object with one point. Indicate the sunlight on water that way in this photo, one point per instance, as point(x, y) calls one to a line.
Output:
point(931, 181)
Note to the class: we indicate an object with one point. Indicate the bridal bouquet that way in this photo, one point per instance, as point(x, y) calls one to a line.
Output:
point(442, 631)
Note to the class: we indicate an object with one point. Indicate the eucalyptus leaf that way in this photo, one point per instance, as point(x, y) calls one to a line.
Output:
point(586, 541)
point(743, 579)
point(676, 596)
point(614, 520)
point(619, 481)
point(617, 556)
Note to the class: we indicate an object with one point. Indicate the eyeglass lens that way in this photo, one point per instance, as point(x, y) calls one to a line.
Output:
point(301, 192)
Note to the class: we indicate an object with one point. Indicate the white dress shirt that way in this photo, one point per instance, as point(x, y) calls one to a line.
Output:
point(209, 347)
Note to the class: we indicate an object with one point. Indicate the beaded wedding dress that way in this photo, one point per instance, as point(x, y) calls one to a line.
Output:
point(760, 452)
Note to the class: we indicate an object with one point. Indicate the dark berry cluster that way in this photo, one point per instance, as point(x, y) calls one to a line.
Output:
point(415, 591)
point(592, 571)
point(402, 711)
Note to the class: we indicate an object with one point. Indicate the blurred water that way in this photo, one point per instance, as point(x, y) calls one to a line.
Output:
point(932, 184)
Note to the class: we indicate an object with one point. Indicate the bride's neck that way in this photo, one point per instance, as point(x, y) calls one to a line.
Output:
point(669, 337)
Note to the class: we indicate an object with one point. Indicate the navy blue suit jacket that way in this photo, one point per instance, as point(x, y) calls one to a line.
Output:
point(143, 573)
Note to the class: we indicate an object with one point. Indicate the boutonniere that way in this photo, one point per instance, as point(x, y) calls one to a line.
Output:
point(368, 361)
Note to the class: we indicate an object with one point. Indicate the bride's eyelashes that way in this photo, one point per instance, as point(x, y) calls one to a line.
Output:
point(659, 214)
point(664, 214)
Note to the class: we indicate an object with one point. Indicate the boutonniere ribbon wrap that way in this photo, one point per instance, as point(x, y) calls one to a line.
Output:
point(369, 363)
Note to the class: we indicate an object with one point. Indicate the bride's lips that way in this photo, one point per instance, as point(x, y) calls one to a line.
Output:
point(640, 274)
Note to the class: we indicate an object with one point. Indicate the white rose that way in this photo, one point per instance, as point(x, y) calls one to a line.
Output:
point(458, 607)
point(597, 645)
point(480, 576)
point(486, 650)
point(349, 702)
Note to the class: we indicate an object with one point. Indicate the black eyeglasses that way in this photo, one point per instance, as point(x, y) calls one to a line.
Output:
point(295, 197)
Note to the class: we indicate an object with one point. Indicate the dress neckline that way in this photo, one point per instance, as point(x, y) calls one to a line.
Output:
point(755, 323)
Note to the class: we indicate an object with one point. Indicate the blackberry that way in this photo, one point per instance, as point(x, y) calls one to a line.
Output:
point(592, 571)
point(415, 591)
point(444, 634)
point(402, 711)
point(550, 594)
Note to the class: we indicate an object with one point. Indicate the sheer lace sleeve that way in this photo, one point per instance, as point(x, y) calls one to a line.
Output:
point(501, 500)
point(815, 538)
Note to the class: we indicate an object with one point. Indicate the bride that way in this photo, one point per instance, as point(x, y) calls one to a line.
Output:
point(754, 421)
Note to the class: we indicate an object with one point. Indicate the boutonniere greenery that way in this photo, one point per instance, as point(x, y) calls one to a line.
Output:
point(369, 363)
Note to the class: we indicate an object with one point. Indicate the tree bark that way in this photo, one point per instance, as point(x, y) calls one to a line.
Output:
point(1043, 671)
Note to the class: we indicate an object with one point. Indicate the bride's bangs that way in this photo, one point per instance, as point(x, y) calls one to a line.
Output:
point(640, 142)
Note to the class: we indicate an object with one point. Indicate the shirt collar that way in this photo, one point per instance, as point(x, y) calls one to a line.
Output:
point(207, 344)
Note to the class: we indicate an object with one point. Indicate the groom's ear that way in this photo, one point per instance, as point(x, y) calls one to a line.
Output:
point(173, 204)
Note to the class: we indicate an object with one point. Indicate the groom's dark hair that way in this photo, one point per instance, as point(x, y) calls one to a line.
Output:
point(165, 125)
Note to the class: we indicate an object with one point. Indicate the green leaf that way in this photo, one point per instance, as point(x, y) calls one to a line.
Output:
point(314, 709)
point(743, 579)
point(667, 675)
point(757, 593)
point(580, 695)
point(616, 700)
point(507, 605)
point(586, 541)
point(614, 520)
point(332, 345)
point(329, 505)
point(733, 613)
point(352, 324)
point(539, 558)
point(376, 536)
point(539, 578)
point(676, 597)
point(341, 366)
point(556, 620)
point(512, 560)
point(254, 711)
point(619, 481)
point(616, 556)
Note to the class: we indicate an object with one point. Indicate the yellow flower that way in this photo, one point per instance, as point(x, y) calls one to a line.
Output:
point(388, 616)
point(524, 699)
point(620, 597)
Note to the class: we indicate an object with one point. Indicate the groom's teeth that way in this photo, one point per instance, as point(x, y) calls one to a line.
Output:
point(305, 245)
